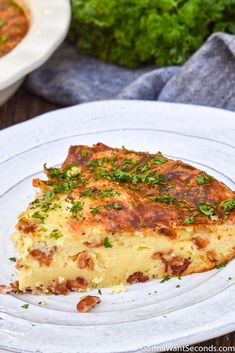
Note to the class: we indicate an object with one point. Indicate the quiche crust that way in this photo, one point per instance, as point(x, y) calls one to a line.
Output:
point(111, 216)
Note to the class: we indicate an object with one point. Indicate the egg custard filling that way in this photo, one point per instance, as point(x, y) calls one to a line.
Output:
point(110, 217)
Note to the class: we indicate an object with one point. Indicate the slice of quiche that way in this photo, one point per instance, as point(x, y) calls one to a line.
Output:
point(111, 216)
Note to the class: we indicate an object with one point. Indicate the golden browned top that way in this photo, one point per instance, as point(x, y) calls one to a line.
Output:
point(13, 25)
point(136, 191)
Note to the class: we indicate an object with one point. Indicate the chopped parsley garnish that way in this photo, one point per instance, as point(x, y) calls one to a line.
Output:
point(143, 167)
point(13, 259)
point(228, 205)
point(77, 206)
point(45, 206)
point(209, 211)
point(164, 199)
point(45, 203)
point(181, 204)
point(99, 291)
point(92, 164)
point(101, 173)
point(165, 278)
point(84, 153)
point(204, 179)
point(55, 173)
point(67, 186)
point(49, 195)
point(130, 161)
point(221, 265)
point(63, 173)
point(189, 219)
point(95, 209)
point(160, 160)
point(152, 179)
point(108, 193)
point(178, 286)
point(101, 161)
point(67, 178)
point(107, 243)
point(39, 216)
point(56, 234)
point(122, 175)
point(170, 186)
point(25, 306)
point(87, 192)
point(117, 206)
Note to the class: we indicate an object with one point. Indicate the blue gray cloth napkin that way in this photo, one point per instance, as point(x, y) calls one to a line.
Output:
point(207, 78)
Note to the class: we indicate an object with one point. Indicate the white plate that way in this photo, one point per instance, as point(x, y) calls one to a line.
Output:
point(150, 314)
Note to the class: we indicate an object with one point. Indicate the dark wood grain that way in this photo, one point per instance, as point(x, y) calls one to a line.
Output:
point(23, 106)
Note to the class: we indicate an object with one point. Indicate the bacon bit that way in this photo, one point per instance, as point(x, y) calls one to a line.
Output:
point(168, 231)
point(38, 183)
point(5, 289)
point(11, 288)
point(157, 255)
point(179, 265)
point(27, 225)
point(57, 287)
point(18, 265)
point(70, 197)
point(42, 257)
point(200, 242)
point(176, 264)
point(137, 277)
point(93, 244)
point(78, 284)
point(84, 260)
point(211, 255)
point(87, 303)
point(167, 258)
point(15, 286)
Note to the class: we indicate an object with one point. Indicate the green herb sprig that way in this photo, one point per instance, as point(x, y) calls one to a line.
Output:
point(127, 35)
point(107, 243)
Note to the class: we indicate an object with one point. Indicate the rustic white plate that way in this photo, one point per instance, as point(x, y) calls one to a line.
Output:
point(153, 314)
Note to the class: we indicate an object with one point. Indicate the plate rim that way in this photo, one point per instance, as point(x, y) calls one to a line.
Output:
point(193, 339)
point(162, 104)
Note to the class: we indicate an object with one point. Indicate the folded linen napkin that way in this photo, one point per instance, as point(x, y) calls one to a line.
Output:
point(207, 78)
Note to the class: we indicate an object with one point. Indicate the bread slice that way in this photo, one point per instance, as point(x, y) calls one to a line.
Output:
point(112, 216)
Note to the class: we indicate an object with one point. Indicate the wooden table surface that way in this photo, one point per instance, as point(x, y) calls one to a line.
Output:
point(23, 106)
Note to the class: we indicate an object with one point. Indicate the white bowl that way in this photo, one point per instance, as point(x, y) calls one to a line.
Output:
point(49, 22)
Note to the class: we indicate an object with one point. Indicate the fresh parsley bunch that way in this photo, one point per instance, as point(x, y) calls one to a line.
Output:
point(135, 32)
